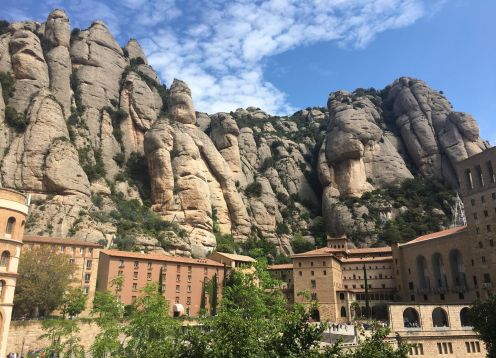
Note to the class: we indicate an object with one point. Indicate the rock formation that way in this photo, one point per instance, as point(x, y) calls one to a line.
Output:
point(89, 130)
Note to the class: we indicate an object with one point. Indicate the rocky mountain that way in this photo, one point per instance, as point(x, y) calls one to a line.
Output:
point(110, 154)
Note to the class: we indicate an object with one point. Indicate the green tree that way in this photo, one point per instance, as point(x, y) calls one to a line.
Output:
point(73, 302)
point(161, 281)
point(215, 290)
point(151, 331)
point(482, 316)
point(300, 245)
point(63, 337)
point(109, 314)
point(44, 276)
point(203, 300)
point(375, 346)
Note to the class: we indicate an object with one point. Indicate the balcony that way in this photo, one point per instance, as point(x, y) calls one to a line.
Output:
point(487, 285)
point(459, 289)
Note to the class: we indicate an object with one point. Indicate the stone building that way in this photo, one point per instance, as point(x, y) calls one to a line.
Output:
point(83, 254)
point(284, 273)
point(335, 277)
point(434, 330)
point(13, 212)
point(456, 265)
point(182, 277)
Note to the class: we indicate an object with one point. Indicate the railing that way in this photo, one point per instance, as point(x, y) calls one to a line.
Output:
point(487, 285)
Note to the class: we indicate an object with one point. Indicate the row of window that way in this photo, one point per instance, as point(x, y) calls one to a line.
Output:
point(439, 318)
point(375, 277)
point(384, 267)
point(136, 266)
point(444, 348)
point(479, 176)
point(383, 285)
point(416, 349)
point(88, 264)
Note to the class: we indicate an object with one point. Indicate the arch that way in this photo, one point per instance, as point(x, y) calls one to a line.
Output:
point(465, 317)
point(411, 318)
point(439, 318)
point(10, 225)
point(457, 268)
point(438, 270)
point(315, 314)
point(343, 311)
point(4, 259)
point(423, 277)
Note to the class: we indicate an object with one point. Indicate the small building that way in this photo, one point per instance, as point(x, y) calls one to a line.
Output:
point(233, 261)
point(284, 273)
point(13, 211)
point(434, 330)
point(182, 277)
point(83, 254)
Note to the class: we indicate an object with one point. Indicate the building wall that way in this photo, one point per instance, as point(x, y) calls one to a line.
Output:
point(408, 268)
point(182, 281)
point(456, 341)
point(85, 258)
point(12, 205)
point(477, 177)
point(285, 275)
point(321, 277)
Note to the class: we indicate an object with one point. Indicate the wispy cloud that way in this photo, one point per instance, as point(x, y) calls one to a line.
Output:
point(219, 47)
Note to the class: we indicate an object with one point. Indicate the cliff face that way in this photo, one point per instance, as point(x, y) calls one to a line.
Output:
point(86, 126)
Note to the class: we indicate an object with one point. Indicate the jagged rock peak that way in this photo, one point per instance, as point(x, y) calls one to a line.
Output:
point(180, 103)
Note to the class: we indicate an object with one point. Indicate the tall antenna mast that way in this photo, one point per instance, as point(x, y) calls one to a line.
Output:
point(458, 213)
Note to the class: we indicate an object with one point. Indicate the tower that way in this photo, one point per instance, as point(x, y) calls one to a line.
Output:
point(13, 212)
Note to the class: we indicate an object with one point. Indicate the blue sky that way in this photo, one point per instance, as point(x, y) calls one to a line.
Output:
point(283, 55)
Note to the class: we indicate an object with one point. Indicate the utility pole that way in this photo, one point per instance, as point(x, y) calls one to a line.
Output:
point(367, 301)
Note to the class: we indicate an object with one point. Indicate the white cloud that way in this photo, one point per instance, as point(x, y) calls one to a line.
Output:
point(219, 47)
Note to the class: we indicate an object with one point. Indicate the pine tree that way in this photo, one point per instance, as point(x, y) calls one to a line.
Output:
point(213, 308)
point(203, 302)
point(161, 281)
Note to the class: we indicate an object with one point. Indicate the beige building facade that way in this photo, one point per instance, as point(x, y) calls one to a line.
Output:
point(182, 277)
point(284, 273)
point(13, 212)
point(84, 255)
point(435, 330)
point(337, 276)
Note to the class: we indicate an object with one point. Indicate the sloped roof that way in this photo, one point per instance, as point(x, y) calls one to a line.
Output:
point(160, 257)
point(236, 257)
point(58, 241)
point(281, 267)
point(437, 234)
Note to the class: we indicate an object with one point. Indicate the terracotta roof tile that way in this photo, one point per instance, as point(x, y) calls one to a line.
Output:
point(437, 234)
point(160, 257)
point(281, 267)
point(236, 257)
point(58, 241)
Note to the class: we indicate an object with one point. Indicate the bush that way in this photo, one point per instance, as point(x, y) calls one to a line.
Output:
point(4, 27)
point(253, 190)
point(94, 170)
point(225, 243)
point(300, 245)
point(266, 164)
point(282, 229)
point(15, 120)
point(120, 158)
point(8, 85)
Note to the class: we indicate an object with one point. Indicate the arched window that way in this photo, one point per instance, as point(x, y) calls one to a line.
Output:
point(439, 318)
point(423, 278)
point(343, 311)
point(457, 268)
point(411, 318)
point(10, 225)
point(438, 270)
point(4, 259)
point(465, 317)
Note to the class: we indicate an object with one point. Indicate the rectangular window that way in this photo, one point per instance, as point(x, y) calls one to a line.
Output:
point(90, 251)
point(120, 273)
point(312, 273)
point(86, 290)
point(313, 284)
point(177, 299)
point(62, 248)
point(178, 278)
point(136, 264)
point(188, 300)
point(189, 278)
point(189, 288)
point(480, 179)
point(89, 264)
point(467, 346)
point(87, 277)
point(190, 268)
point(121, 263)
point(135, 286)
point(81, 251)
point(325, 273)
point(300, 273)
point(178, 288)
point(149, 265)
point(149, 276)
point(468, 178)
point(490, 171)
point(135, 275)
point(205, 271)
point(487, 278)
point(178, 267)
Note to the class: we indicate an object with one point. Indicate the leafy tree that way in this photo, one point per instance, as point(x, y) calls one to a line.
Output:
point(109, 314)
point(151, 330)
point(215, 290)
point(203, 300)
point(300, 245)
point(44, 277)
point(375, 346)
point(161, 281)
point(74, 301)
point(4, 27)
point(63, 338)
point(482, 316)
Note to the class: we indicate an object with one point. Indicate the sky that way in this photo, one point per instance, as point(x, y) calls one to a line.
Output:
point(284, 55)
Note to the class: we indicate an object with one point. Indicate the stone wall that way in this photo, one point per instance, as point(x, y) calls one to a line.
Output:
point(28, 333)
